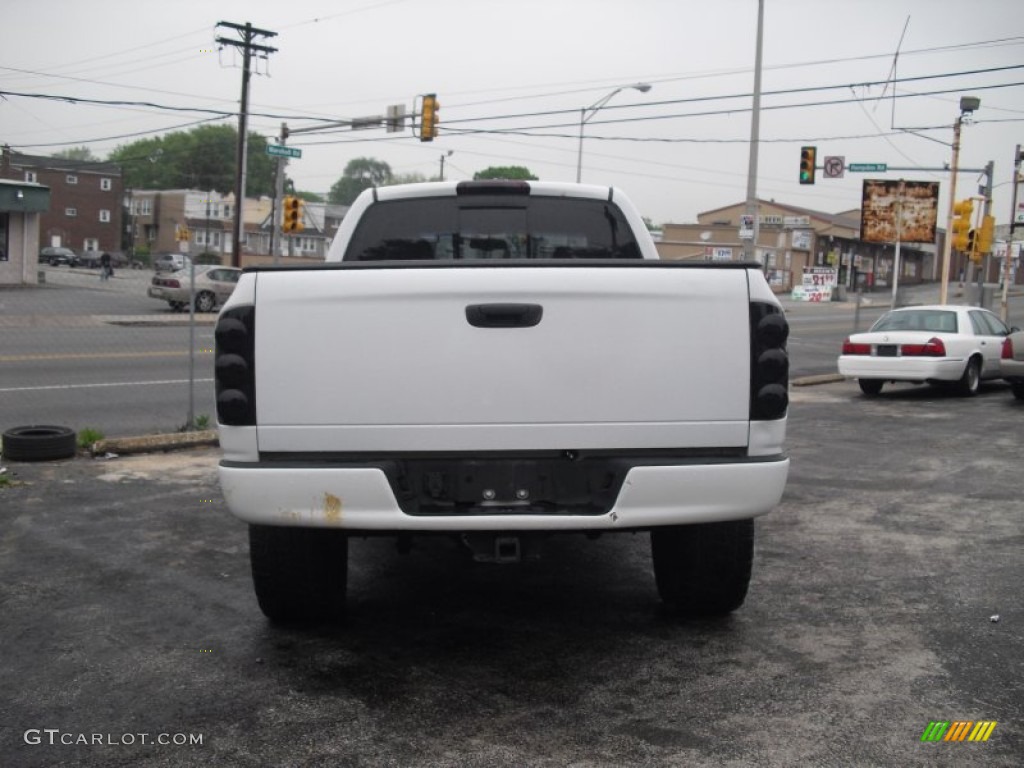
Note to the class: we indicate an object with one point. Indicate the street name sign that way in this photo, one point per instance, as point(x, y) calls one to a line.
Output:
point(279, 150)
point(867, 167)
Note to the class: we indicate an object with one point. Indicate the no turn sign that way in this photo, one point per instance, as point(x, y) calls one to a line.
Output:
point(834, 167)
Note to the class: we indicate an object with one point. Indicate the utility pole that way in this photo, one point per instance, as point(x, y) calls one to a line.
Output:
point(986, 191)
point(247, 34)
point(749, 246)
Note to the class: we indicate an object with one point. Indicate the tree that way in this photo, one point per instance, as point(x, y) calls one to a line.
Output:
point(513, 172)
point(360, 173)
point(410, 178)
point(203, 158)
point(77, 153)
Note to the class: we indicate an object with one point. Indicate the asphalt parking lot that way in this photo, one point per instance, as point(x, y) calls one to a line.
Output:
point(886, 595)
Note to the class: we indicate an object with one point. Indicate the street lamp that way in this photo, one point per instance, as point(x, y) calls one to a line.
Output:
point(588, 112)
point(968, 105)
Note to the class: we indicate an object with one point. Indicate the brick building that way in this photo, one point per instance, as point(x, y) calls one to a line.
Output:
point(158, 216)
point(791, 239)
point(85, 211)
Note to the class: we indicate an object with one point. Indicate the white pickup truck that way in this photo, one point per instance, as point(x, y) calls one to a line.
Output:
point(500, 362)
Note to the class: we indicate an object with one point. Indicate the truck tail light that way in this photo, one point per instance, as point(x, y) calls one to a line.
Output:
point(769, 362)
point(933, 348)
point(1007, 349)
point(850, 348)
point(234, 366)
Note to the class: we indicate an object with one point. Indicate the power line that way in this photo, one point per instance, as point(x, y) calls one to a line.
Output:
point(452, 127)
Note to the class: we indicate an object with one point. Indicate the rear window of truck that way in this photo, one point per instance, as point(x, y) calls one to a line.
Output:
point(498, 227)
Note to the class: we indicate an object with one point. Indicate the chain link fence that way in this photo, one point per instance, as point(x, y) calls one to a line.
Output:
point(103, 357)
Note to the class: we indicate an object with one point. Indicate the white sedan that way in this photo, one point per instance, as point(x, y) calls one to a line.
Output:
point(933, 344)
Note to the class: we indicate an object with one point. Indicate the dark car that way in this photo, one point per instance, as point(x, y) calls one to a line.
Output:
point(55, 257)
point(120, 260)
point(88, 260)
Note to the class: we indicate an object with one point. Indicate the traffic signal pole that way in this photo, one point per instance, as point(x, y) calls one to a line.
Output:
point(275, 208)
point(1004, 309)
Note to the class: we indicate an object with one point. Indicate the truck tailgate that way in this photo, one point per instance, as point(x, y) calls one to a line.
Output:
point(387, 359)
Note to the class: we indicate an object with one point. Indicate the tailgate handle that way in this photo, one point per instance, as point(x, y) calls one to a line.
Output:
point(504, 315)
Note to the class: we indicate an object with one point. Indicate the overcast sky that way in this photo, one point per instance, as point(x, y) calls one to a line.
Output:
point(513, 76)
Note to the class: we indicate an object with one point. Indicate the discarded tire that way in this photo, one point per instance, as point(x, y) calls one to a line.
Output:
point(38, 443)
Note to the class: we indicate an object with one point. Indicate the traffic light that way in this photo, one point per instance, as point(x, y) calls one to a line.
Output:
point(972, 246)
point(429, 118)
point(808, 159)
point(962, 210)
point(292, 214)
point(986, 234)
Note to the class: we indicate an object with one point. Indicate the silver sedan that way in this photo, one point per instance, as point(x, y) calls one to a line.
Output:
point(213, 286)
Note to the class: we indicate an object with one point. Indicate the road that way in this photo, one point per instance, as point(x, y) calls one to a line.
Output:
point(885, 595)
point(67, 361)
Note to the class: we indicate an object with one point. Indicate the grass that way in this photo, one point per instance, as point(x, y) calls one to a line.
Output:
point(88, 437)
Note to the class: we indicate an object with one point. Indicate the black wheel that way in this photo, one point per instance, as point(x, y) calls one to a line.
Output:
point(177, 306)
point(205, 302)
point(39, 443)
point(971, 380)
point(870, 387)
point(300, 574)
point(1017, 387)
point(704, 569)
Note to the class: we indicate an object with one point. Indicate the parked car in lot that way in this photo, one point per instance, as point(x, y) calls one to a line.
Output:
point(171, 262)
point(213, 286)
point(89, 260)
point(952, 344)
point(57, 256)
point(120, 260)
point(1011, 363)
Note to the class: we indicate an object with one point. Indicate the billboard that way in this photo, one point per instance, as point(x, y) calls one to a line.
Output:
point(918, 205)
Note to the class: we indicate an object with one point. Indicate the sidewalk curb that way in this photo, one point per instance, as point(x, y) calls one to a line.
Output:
point(823, 378)
point(156, 443)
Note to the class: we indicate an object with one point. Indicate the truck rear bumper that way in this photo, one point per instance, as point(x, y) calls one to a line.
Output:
point(361, 499)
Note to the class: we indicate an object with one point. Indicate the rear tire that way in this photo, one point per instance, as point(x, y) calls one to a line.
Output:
point(870, 387)
point(971, 380)
point(704, 569)
point(299, 574)
point(1017, 387)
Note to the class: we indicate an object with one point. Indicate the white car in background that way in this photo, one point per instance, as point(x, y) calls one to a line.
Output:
point(213, 286)
point(928, 344)
point(1012, 362)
